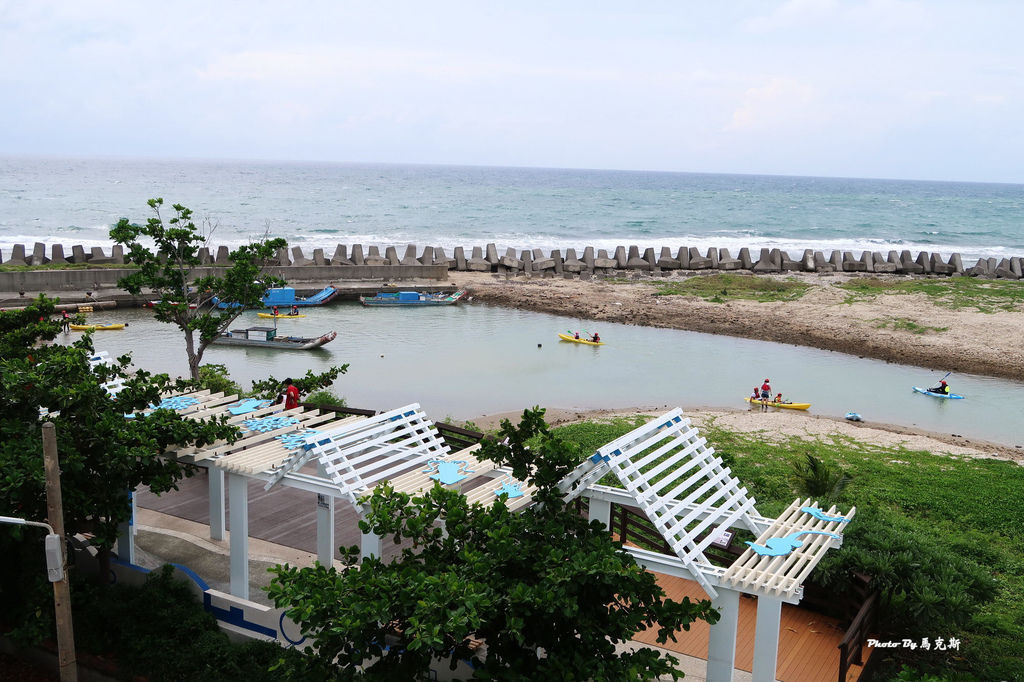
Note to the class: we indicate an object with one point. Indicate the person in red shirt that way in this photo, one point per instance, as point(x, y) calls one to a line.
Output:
point(291, 394)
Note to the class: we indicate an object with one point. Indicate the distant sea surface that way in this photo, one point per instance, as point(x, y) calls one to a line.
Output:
point(75, 201)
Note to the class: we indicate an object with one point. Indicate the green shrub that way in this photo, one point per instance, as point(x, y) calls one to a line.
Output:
point(216, 378)
point(324, 399)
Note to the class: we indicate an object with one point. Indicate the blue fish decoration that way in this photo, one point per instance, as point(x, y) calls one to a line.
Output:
point(818, 514)
point(448, 473)
point(786, 544)
point(510, 489)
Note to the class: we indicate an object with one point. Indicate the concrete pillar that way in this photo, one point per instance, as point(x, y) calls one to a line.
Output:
point(460, 259)
point(371, 544)
point(766, 639)
point(57, 254)
point(620, 257)
point(215, 486)
point(223, 256)
point(325, 529)
point(722, 640)
point(126, 535)
point(357, 254)
point(238, 506)
point(601, 510)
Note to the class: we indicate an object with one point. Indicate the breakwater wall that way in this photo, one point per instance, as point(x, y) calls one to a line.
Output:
point(427, 262)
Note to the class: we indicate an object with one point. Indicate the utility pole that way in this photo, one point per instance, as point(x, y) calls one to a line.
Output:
point(61, 588)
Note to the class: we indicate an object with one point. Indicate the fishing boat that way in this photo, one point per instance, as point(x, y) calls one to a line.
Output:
point(587, 342)
point(946, 396)
point(284, 297)
point(97, 327)
point(411, 298)
point(783, 405)
point(266, 337)
point(279, 316)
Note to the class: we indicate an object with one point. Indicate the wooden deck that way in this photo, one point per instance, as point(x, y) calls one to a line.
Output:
point(286, 516)
point(808, 642)
point(282, 515)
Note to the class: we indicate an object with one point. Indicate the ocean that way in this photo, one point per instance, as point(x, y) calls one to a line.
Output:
point(76, 200)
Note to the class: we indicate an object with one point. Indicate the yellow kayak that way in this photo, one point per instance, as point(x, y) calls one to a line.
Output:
point(786, 406)
point(278, 316)
point(567, 337)
point(96, 327)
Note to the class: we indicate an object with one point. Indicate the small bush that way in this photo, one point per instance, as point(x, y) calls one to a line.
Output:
point(216, 378)
point(325, 399)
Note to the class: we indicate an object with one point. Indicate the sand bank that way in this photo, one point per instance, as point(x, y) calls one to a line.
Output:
point(781, 425)
point(991, 344)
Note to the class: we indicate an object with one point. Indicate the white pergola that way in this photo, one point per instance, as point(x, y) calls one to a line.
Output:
point(334, 457)
point(667, 470)
point(664, 467)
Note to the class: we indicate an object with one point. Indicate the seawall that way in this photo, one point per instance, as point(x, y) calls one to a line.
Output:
point(433, 263)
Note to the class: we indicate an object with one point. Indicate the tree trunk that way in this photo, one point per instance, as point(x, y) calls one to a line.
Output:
point(194, 358)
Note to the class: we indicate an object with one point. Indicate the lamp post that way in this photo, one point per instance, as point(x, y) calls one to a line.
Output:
point(54, 546)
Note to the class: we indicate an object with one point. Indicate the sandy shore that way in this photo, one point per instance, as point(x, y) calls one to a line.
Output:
point(981, 343)
point(780, 425)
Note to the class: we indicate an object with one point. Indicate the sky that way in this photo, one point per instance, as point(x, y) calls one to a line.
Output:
point(850, 88)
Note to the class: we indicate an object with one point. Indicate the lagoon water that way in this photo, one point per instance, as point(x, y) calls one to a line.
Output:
point(469, 360)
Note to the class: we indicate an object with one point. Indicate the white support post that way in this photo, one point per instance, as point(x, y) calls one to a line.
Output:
point(766, 639)
point(325, 529)
point(722, 641)
point(238, 508)
point(601, 510)
point(126, 534)
point(371, 544)
point(215, 484)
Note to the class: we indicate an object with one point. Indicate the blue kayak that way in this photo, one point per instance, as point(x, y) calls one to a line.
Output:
point(950, 396)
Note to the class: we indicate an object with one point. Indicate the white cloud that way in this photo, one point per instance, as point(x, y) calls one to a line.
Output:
point(780, 104)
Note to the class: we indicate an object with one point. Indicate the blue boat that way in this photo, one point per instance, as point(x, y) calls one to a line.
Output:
point(284, 297)
point(411, 298)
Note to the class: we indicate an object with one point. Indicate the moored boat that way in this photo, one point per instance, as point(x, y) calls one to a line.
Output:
point(279, 316)
point(411, 298)
point(284, 297)
point(783, 405)
point(97, 327)
point(266, 337)
point(586, 342)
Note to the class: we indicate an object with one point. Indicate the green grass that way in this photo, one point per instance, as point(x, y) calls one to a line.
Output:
point(984, 295)
point(958, 517)
point(903, 324)
point(720, 288)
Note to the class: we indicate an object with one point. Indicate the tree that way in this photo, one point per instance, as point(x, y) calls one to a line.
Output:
point(548, 593)
point(167, 270)
point(103, 453)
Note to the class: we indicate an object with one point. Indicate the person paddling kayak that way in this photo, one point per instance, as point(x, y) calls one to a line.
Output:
point(942, 388)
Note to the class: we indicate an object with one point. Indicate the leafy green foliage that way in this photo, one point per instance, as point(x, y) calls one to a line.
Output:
point(160, 631)
point(217, 379)
point(310, 383)
point(815, 478)
point(103, 455)
point(543, 579)
point(720, 288)
point(167, 271)
point(324, 398)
